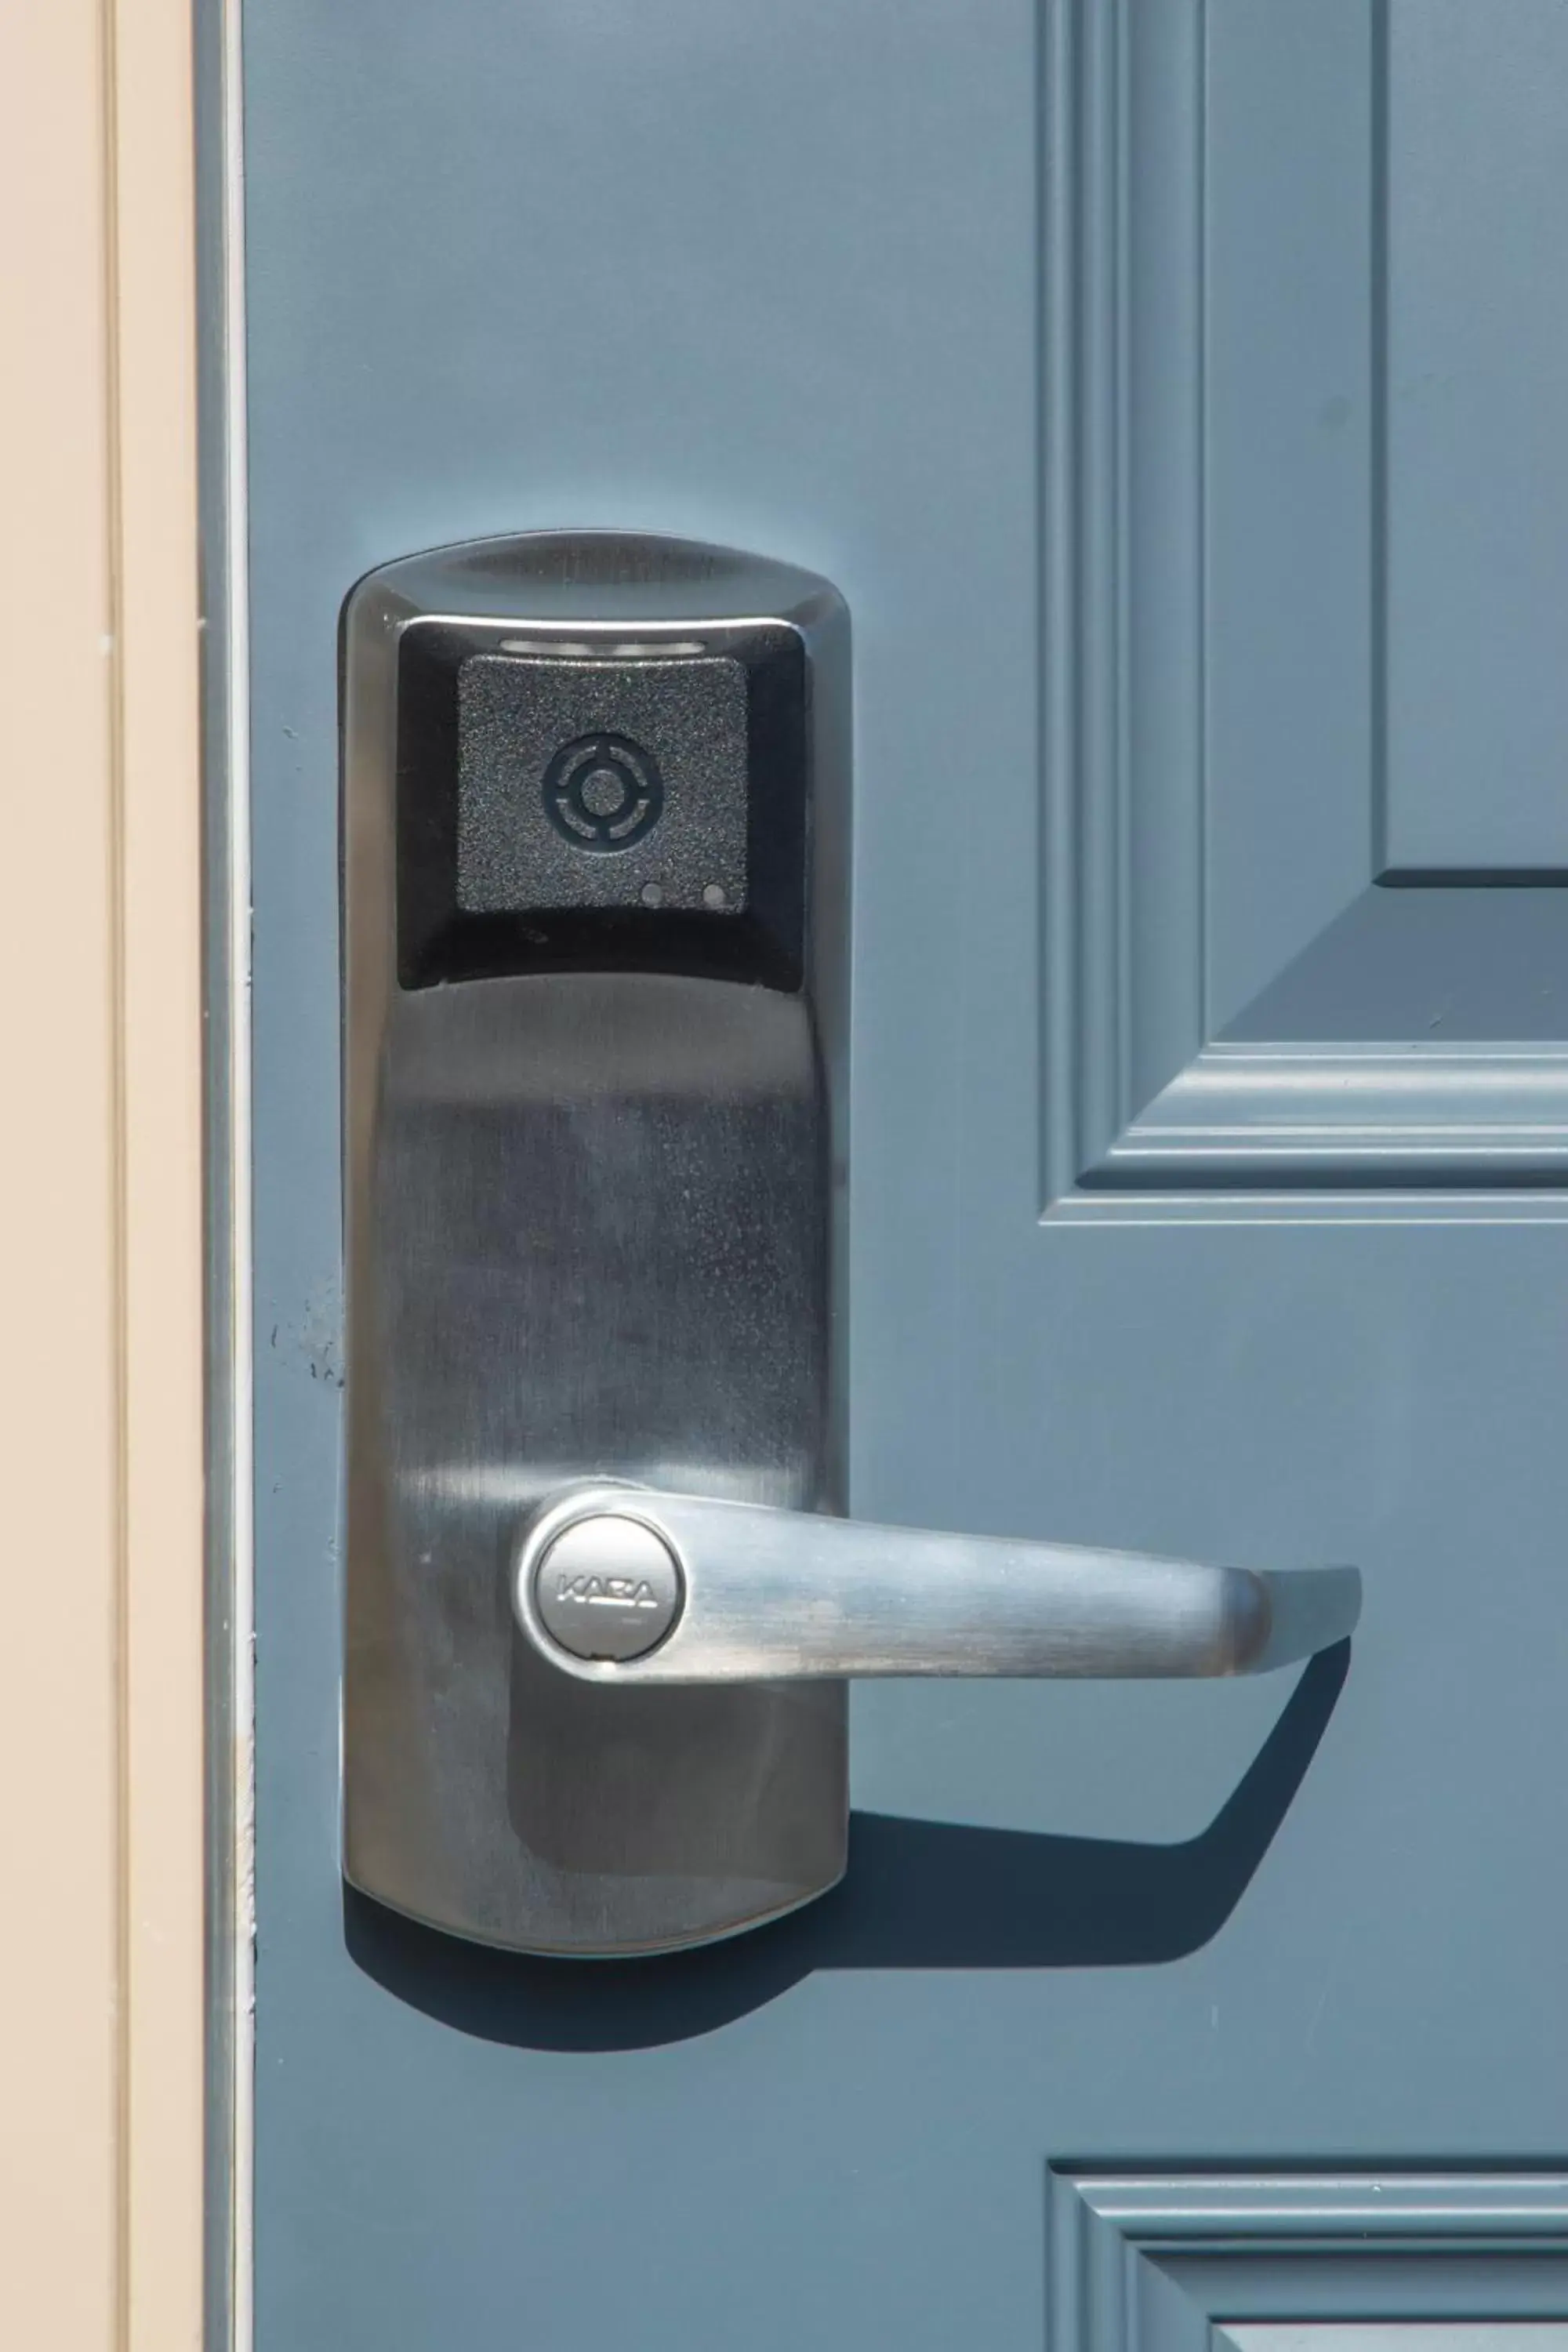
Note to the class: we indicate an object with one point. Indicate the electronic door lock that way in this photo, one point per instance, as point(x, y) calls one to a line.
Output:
point(601, 1602)
point(595, 873)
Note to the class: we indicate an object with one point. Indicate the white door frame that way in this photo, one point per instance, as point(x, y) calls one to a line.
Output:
point(105, 1989)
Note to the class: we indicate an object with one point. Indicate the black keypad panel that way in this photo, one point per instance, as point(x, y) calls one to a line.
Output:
point(601, 784)
point(567, 809)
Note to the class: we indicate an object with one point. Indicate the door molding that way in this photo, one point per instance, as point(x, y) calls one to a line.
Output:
point(1171, 1089)
point(102, 1681)
point(1178, 2262)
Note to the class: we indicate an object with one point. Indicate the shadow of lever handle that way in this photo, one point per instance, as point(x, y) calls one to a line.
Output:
point(917, 1894)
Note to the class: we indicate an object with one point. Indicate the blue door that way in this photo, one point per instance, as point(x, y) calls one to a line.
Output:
point(1173, 389)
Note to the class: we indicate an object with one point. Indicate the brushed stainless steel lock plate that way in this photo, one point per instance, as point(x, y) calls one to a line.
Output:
point(595, 812)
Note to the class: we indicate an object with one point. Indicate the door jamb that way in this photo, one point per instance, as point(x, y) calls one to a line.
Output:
point(109, 1254)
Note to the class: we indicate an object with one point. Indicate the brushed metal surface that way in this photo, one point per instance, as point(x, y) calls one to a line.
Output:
point(589, 1228)
point(779, 1592)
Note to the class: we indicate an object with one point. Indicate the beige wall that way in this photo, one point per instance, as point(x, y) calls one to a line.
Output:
point(101, 1765)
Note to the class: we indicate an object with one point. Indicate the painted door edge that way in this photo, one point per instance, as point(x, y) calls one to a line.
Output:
point(222, 459)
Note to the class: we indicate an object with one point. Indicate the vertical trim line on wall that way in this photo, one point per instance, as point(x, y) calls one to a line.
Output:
point(120, 1250)
point(153, 1087)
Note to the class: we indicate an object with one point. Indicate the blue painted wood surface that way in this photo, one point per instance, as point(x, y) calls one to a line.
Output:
point(1139, 371)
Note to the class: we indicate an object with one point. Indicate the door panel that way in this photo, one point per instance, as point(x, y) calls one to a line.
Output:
point(1189, 483)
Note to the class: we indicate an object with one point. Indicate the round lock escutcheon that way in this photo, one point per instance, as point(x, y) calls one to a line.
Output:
point(608, 1589)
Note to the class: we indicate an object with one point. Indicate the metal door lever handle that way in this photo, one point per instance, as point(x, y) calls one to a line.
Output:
point(624, 1584)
